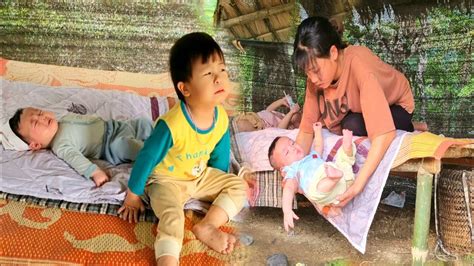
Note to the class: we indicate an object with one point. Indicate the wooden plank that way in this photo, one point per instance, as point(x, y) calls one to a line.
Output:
point(246, 26)
point(459, 151)
point(411, 175)
point(431, 165)
point(261, 37)
point(268, 24)
point(466, 161)
point(261, 14)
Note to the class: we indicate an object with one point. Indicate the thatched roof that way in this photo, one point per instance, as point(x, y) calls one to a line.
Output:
point(263, 20)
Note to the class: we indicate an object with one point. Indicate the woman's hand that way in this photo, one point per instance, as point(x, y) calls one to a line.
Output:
point(379, 146)
point(349, 194)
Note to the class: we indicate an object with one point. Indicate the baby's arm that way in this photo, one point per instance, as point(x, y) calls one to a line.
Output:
point(72, 156)
point(100, 177)
point(289, 191)
point(318, 138)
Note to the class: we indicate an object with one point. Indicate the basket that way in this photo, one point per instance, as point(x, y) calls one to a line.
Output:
point(454, 211)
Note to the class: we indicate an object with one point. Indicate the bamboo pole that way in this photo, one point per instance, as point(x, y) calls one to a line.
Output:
point(419, 249)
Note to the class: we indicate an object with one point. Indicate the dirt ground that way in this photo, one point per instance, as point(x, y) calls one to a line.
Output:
point(316, 241)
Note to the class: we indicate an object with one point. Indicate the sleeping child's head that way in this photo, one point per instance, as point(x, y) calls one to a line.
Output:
point(284, 151)
point(198, 70)
point(296, 119)
point(34, 126)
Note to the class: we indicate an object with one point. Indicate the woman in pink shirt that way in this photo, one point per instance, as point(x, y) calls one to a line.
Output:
point(349, 87)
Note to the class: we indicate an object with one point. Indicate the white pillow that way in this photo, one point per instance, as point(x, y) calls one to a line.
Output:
point(254, 146)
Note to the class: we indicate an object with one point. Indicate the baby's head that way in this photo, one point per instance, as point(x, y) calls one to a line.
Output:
point(284, 151)
point(34, 126)
point(198, 69)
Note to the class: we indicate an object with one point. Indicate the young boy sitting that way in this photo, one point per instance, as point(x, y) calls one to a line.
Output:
point(75, 138)
point(321, 182)
point(188, 154)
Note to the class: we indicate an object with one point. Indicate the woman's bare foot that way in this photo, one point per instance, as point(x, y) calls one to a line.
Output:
point(420, 126)
point(347, 141)
point(166, 260)
point(214, 238)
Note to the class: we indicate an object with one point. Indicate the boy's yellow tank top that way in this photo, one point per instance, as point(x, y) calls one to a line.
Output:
point(192, 147)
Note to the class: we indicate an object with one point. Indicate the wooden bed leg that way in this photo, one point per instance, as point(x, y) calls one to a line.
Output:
point(421, 229)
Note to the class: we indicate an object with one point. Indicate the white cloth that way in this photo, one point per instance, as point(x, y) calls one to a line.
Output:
point(10, 140)
point(356, 218)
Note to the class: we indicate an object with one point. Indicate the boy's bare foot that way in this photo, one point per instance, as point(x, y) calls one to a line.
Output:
point(420, 126)
point(347, 141)
point(166, 260)
point(214, 238)
point(332, 173)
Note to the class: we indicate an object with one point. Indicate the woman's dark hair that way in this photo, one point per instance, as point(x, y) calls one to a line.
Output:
point(185, 51)
point(314, 38)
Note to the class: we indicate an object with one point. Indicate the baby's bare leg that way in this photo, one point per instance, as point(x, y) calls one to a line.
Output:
point(208, 231)
point(333, 175)
point(347, 142)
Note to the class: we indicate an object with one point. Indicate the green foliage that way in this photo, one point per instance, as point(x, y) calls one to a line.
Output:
point(246, 77)
point(300, 87)
point(338, 262)
point(434, 51)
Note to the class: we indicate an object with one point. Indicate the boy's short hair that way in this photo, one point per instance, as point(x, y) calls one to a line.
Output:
point(271, 149)
point(185, 51)
point(14, 123)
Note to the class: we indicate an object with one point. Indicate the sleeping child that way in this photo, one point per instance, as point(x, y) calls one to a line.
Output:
point(321, 182)
point(75, 138)
point(269, 117)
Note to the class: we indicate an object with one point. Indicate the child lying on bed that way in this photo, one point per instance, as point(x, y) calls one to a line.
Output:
point(76, 137)
point(321, 182)
point(269, 117)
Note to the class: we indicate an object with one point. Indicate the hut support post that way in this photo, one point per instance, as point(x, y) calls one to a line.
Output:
point(421, 228)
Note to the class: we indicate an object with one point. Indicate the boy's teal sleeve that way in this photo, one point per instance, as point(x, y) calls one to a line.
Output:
point(220, 156)
point(153, 151)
